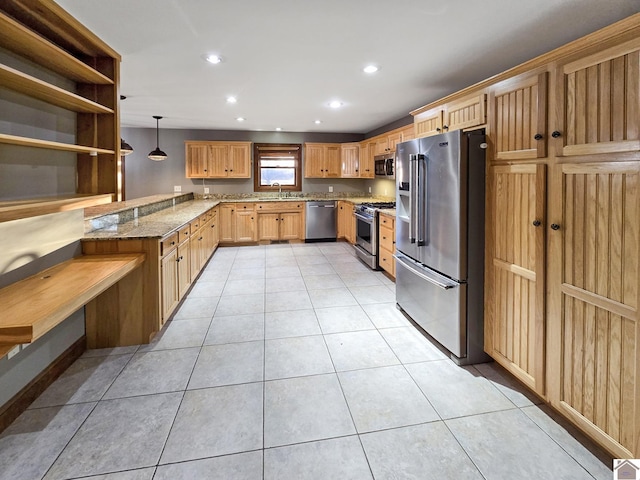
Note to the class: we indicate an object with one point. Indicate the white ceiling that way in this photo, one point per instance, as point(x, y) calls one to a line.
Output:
point(285, 60)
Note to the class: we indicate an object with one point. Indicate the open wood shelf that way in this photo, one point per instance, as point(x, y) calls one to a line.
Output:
point(36, 88)
point(21, 40)
point(36, 143)
point(16, 209)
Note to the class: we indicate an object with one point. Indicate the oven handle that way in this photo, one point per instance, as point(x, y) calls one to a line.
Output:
point(443, 283)
point(364, 218)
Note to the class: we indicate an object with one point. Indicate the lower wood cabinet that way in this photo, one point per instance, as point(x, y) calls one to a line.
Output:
point(346, 222)
point(387, 243)
point(238, 222)
point(172, 264)
point(280, 221)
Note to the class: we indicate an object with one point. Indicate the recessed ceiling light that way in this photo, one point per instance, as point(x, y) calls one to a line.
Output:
point(335, 104)
point(370, 69)
point(213, 59)
point(240, 119)
point(318, 122)
point(278, 129)
point(231, 99)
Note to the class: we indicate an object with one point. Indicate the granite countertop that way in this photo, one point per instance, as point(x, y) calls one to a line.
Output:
point(160, 215)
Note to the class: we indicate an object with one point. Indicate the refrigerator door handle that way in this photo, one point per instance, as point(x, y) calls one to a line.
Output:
point(438, 280)
point(413, 214)
point(421, 198)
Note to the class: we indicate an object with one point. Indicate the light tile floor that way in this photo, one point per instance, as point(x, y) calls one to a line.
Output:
point(290, 362)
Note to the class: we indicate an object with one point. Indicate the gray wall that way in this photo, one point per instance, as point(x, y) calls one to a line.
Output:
point(145, 177)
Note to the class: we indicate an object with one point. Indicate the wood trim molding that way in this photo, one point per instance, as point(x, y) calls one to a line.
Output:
point(21, 400)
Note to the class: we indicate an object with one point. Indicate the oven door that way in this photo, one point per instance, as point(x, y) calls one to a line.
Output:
point(366, 239)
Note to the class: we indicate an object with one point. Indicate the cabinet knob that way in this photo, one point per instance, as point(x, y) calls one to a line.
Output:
point(537, 136)
point(536, 223)
point(556, 134)
point(555, 226)
point(446, 127)
point(438, 129)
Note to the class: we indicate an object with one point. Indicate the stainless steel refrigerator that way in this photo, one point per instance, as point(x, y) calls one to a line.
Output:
point(440, 239)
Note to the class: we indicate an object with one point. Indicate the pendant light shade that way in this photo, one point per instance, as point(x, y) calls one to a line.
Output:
point(157, 154)
point(125, 148)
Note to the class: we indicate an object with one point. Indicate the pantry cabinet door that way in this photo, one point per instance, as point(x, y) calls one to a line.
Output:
point(514, 306)
point(594, 339)
point(600, 102)
point(518, 118)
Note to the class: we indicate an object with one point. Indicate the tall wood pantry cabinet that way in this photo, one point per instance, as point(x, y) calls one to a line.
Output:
point(563, 233)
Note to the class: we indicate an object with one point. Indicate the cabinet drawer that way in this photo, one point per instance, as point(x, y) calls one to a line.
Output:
point(387, 221)
point(279, 207)
point(386, 261)
point(168, 243)
point(387, 238)
point(195, 225)
point(184, 233)
point(245, 207)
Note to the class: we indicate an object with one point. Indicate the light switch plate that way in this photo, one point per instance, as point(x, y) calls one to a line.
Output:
point(369, 189)
point(206, 190)
point(330, 188)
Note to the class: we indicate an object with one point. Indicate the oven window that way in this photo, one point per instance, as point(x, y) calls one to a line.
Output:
point(363, 230)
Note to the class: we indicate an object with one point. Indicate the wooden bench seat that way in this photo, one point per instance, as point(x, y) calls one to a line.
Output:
point(33, 306)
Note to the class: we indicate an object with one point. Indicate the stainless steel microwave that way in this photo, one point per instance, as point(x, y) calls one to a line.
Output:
point(385, 166)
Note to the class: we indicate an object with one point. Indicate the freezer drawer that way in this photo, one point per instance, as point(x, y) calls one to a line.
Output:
point(435, 302)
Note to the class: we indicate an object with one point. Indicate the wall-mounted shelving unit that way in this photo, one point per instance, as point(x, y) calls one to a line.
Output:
point(41, 32)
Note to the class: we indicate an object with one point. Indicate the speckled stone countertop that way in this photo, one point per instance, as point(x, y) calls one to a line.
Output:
point(160, 215)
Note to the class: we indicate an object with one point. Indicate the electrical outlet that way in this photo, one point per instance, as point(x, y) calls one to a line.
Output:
point(13, 351)
point(330, 188)
point(177, 188)
point(206, 190)
point(369, 189)
point(385, 192)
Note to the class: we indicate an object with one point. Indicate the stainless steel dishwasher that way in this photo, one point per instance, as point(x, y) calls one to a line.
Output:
point(320, 221)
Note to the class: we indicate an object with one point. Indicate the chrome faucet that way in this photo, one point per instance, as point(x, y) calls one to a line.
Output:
point(273, 184)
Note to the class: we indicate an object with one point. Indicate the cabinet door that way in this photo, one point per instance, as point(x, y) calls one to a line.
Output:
point(196, 244)
point(366, 160)
point(227, 222)
point(215, 227)
point(239, 161)
point(514, 297)
point(428, 123)
point(196, 160)
point(594, 340)
point(268, 226)
point(341, 225)
point(518, 118)
point(169, 273)
point(332, 161)
point(350, 153)
point(246, 226)
point(598, 96)
point(392, 140)
point(465, 113)
point(381, 145)
point(291, 226)
point(218, 161)
point(408, 133)
point(183, 268)
point(313, 160)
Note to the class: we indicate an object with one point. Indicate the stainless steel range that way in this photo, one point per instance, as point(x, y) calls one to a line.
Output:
point(367, 231)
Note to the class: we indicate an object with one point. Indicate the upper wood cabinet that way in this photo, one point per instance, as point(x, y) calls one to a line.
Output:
point(599, 104)
point(73, 53)
point(322, 160)
point(464, 113)
point(218, 159)
point(517, 123)
point(350, 160)
point(367, 152)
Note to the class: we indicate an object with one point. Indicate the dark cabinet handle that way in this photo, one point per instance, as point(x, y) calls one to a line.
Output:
point(536, 223)
point(438, 129)
point(537, 136)
point(446, 127)
point(555, 226)
point(556, 134)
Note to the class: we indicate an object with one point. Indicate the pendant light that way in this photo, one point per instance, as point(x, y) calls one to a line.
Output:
point(125, 148)
point(157, 154)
